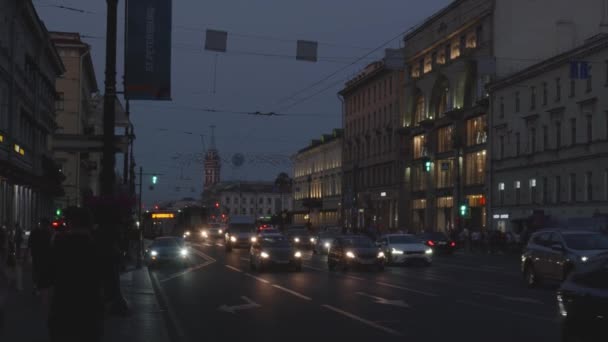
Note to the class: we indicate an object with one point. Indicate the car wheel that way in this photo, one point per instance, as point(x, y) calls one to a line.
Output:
point(380, 268)
point(228, 248)
point(298, 268)
point(251, 264)
point(389, 259)
point(530, 276)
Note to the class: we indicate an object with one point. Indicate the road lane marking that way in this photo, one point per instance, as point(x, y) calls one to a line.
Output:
point(244, 259)
point(179, 330)
point(186, 271)
point(362, 320)
point(384, 301)
point(315, 268)
point(257, 278)
point(353, 277)
point(219, 244)
point(408, 289)
point(511, 298)
point(487, 307)
point(234, 268)
point(233, 309)
point(208, 244)
point(299, 295)
point(203, 255)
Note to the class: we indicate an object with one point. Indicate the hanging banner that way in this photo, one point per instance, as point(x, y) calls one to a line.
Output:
point(148, 50)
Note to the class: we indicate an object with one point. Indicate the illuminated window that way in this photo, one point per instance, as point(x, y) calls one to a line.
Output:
point(475, 168)
point(418, 178)
point(455, 49)
point(445, 139)
point(428, 63)
point(444, 177)
point(419, 146)
point(419, 204)
point(471, 40)
point(415, 70)
point(445, 202)
point(477, 131)
point(420, 110)
point(440, 57)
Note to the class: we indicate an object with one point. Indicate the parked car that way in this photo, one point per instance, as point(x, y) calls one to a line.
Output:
point(353, 250)
point(552, 254)
point(405, 248)
point(167, 249)
point(274, 251)
point(583, 303)
point(439, 242)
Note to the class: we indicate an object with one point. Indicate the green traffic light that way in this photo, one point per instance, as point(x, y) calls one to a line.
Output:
point(154, 179)
point(428, 166)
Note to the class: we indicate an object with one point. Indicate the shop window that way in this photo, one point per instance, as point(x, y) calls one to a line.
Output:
point(420, 149)
point(445, 139)
point(475, 168)
point(477, 131)
point(444, 175)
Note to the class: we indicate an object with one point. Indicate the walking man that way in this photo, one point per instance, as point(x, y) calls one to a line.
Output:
point(39, 247)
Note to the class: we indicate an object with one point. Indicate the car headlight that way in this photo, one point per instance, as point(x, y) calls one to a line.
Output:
point(187, 233)
point(233, 238)
point(298, 254)
point(296, 240)
point(204, 234)
point(220, 231)
point(584, 259)
point(381, 255)
point(254, 239)
point(428, 251)
point(327, 245)
point(350, 254)
point(313, 240)
point(183, 252)
point(154, 253)
point(396, 252)
point(265, 255)
point(562, 307)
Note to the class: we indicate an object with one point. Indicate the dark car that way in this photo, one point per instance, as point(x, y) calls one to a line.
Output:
point(439, 242)
point(350, 251)
point(583, 303)
point(552, 254)
point(300, 237)
point(274, 251)
point(167, 249)
point(240, 235)
point(214, 231)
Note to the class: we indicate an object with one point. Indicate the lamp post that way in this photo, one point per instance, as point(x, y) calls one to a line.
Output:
point(109, 111)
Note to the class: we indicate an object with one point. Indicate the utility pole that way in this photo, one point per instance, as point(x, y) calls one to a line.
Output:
point(109, 111)
point(139, 218)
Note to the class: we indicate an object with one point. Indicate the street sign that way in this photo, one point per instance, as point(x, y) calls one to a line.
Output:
point(216, 40)
point(307, 51)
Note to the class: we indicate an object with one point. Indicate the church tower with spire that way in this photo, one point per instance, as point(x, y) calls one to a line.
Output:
point(213, 163)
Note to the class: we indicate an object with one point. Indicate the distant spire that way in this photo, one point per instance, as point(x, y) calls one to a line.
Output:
point(212, 147)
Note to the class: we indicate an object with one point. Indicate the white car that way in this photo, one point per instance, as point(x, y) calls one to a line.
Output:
point(405, 248)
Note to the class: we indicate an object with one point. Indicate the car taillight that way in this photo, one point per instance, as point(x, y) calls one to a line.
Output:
point(452, 244)
point(430, 243)
point(55, 224)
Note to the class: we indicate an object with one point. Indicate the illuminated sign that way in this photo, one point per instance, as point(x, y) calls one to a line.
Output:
point(383, 194)
point(1, 138)
point(163, 215)
point(17, 148)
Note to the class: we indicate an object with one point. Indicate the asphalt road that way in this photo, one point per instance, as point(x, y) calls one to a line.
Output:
point(458, 298)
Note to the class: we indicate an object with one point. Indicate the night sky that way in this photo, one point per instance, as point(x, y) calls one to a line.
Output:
point(258, 73)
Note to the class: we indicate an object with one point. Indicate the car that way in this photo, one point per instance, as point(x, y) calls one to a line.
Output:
point(583, 303)
point(240, 235)
point(438, 241)
point(552, 254)
point(323, 241)
point(213, 231)
point(167, 249)
point(301, 237)
point(274, 251)
point(353, 250)
point(404, 248)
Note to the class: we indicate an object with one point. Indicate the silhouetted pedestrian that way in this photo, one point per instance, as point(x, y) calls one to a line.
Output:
point(18, 240)
point(76, 312)
point(39, 247)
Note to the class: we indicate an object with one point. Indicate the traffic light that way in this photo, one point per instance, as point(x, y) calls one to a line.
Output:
point(154, 179)
point(427, 166)
point(58, 212)
point(465, 211)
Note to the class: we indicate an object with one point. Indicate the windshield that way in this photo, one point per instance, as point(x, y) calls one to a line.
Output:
point(403, 239)
point(161, 243)
point(586, 241)
point(297, 232)
point(241, 228)
point(358, 242)
point(275, 243)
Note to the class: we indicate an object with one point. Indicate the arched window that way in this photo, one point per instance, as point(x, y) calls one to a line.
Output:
point(440, 99)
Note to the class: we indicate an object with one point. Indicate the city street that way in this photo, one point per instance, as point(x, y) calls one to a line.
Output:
point(460, 297)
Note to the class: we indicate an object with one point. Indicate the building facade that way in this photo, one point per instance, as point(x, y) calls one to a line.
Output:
point(77, 115)
point(549, 129)
point(450, 59)
point(29, 66)
point(373, 104)
point(259, 199)
point(317, 184)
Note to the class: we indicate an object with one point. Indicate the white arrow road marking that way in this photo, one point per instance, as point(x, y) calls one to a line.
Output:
point(384, 301)
point(233, 309)
point(362, 320)
point(512, 299)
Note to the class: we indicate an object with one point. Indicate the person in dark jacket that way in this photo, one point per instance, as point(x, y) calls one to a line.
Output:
point(39, 247)
point(76, 310)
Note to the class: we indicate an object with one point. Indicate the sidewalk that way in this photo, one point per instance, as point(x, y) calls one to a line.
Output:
point(25, 319)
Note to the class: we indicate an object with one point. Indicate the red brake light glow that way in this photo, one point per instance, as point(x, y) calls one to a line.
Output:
point(452, 244)
point(430, 243)
point(55, 224)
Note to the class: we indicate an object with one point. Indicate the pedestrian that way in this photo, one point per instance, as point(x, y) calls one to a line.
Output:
point(475, 237)
point(39, 248)
point(76, 310)
point(18, 239)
